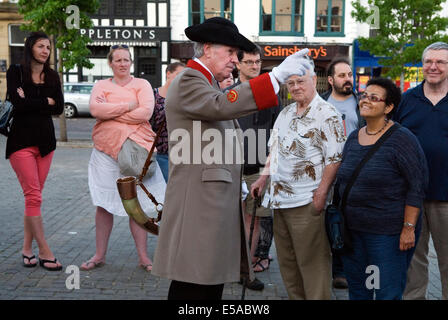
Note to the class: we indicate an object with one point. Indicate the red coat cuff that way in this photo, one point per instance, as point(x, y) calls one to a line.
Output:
point(263, 92)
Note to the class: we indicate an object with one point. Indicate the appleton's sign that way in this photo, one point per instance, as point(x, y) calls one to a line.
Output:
point(127, 33)
point(323, 52)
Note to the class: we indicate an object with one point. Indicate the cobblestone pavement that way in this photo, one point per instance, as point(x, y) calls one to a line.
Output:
point(69, 222)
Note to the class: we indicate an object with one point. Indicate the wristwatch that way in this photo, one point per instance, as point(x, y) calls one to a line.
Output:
point(408, 224)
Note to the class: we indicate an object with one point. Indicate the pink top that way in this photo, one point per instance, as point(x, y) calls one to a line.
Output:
point(114, 122)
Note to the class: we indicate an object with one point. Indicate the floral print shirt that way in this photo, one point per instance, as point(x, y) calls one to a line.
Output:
point(300, 148)
point(157, 119)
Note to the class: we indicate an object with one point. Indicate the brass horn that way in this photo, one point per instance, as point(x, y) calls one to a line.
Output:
point(127, 188)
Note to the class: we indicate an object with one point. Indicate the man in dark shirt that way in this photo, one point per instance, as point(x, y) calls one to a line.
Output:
point(249, 67)
point(424, 111)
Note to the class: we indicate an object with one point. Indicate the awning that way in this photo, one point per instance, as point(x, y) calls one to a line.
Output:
point(129, 43)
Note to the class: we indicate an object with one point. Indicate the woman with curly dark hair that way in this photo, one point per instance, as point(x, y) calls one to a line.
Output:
point(35, 91)
point(383, 206)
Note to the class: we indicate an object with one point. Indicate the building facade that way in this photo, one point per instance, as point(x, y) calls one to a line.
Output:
point(143, 25)
point(280, 27)
point(10, 37)
point(154, 31)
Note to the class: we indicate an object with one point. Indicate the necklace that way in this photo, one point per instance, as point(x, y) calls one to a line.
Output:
point(386, 121)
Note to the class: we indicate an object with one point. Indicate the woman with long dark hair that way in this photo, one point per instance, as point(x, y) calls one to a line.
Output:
point(35, 91)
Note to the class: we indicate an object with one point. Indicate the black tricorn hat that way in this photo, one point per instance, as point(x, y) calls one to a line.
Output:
point(219, 30)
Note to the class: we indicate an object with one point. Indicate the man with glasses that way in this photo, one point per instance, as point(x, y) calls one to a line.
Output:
point(261, 123)
point(342, 96)
point(305, 153)
point(424, 111)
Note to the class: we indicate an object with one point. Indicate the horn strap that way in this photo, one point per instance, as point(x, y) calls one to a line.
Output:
point(159, 206)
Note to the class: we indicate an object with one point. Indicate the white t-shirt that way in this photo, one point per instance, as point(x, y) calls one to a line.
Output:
point(300, 148)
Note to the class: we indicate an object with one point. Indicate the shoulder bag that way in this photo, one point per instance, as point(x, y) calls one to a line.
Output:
point(132, 157)
point(6, 111)
point(335, 222)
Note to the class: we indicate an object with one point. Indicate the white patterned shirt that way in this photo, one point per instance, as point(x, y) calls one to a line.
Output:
point(300, 148)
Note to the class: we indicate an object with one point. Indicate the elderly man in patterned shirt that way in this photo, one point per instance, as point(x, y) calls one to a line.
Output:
point(305, 153)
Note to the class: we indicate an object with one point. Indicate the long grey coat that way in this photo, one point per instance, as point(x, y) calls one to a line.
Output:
point(201, 238)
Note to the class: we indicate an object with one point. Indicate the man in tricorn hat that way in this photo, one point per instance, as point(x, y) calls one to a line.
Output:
point(202, 242)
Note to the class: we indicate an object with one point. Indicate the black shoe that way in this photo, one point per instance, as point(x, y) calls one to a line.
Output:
point(340, 283)
point(254, 285)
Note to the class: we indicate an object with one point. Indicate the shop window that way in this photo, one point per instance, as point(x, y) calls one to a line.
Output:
point(201, 10)
point(148, 68)
point(126, 8)
point(148, 52)
point(281, 17)
point(122, 8)
point(104, 8)
point(330, 17)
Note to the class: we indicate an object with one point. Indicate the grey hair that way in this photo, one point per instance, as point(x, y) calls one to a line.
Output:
point(198, 49)
point(435, 46)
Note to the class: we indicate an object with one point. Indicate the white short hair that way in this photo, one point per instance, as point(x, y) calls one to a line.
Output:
point(198, 48)
point(435, 46)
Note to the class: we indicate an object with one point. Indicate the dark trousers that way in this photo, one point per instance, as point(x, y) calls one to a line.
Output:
point(191, 291)
point(383, 252)
point(338, 267)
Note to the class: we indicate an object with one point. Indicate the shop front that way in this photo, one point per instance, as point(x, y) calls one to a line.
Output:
point(148, 45)
point(273, 54)
point(367, 66)
point(322, 54)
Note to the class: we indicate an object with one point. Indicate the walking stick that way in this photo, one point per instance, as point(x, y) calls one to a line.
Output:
point(257, 203)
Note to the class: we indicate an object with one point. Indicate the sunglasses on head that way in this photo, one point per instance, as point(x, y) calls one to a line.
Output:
point(116, 46)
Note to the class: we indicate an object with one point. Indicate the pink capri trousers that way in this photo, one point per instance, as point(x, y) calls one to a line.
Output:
point(31, 170)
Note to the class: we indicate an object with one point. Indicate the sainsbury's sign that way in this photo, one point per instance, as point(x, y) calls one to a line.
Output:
point(323, 52)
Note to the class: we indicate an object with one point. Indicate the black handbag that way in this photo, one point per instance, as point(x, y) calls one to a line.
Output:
point(7, 111)
point(6, 108)
point(335, 222)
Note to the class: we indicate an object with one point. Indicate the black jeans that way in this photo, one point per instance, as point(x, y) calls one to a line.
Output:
point(191, 291)
point(338, 267)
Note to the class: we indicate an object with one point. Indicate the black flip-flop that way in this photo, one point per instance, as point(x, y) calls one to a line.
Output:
point(43, 261)
point(28, 265)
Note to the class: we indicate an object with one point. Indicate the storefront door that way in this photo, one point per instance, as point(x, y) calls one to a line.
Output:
point(148, 68)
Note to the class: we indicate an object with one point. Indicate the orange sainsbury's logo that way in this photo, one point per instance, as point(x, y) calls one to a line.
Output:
point(283, 51)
